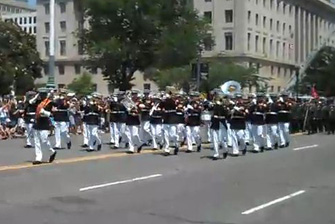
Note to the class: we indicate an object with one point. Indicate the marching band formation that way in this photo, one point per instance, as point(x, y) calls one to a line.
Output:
point(165, 121)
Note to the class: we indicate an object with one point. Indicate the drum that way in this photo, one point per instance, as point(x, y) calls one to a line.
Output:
point(206, 116)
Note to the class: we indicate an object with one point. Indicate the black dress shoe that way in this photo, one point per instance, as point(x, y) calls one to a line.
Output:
point(52, 157)
point(176, 150)
point(244, 152)
point(126, 145)
point(199, 148)
point(36, 162)
point(276, 146)
point(139, 149)
point(84, 146)
point(215, 158)
point(115, 147)
point(225, 155)
point(56, 148)
point(99, 147)
point(287, 144)
point(282, 146)
point(188, 151)
point(160, 146)
point(69, 144)
point(130, 152)
point(28, 146)
point(262, 149)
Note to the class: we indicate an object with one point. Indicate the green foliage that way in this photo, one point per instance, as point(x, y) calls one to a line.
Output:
point(322, 73)
point(82, 85)
point(20, 63)
point(219, 73)
point(178, 77)
point(130, 35)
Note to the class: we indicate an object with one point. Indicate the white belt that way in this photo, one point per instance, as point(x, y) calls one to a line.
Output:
point(30, 113)
point(272, 113)
point(92, 114)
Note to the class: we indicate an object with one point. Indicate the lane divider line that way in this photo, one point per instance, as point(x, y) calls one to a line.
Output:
point(250, 211)
point(306, 147)
point(119, 182)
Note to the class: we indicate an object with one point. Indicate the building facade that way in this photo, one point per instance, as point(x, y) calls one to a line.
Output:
point(27, 21)
point(275, 36)
point(14, 7)
point(68, 53)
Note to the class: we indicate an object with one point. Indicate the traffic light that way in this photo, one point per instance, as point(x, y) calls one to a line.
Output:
point(204, 71)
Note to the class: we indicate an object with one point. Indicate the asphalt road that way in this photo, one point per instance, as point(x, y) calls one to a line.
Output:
point(294, 185)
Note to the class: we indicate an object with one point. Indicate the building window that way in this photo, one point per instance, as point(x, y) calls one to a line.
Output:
point(62, 6)
point(229, 16)
point(271, 24)
point(257, 18)
point(208, 43)
point(34, 19)
point(272, 70)
point(278, 26)
point(21, 21)
point(77, 69)
point(47, 46)
point(229, 41)
point(272, 89)
point(264, 3)
point(278, 89)
point(95, 87)
point(279, 71)
point(35, 29)
point(62, 44)
point(284, 28)
point(249, 39)
point(61, 86)
point(256, 43)
point(249, 16)
point(61, 69)
point(47, 27)
point(47, 9)
point(30, 20)
point(63, 26)
point(208, 16)
point(284, 50)
point(264, 45)
point(94, 70)
point(264, 21)
point(277, 49)
point(147, 86)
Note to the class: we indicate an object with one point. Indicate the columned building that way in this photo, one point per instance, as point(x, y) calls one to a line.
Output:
point(14, 7)
point(275, 36)
point(68, 52)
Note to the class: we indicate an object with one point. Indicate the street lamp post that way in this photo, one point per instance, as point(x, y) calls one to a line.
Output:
point(51, 78)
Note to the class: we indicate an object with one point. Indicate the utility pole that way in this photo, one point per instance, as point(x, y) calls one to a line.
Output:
point(51, 78)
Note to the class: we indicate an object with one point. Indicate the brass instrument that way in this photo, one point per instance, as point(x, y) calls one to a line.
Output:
point(128, 102)
point(231, 88)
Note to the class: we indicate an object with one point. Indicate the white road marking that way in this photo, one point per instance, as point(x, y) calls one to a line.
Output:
point(272, 202)
point(306, 147)
point(119, 182)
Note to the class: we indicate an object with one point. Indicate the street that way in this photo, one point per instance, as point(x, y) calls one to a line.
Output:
point(292, 185)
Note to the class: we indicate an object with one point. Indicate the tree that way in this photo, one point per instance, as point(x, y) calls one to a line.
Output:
point(176, 77)
point(20, 63)
point(321, 73)
point(125, 36)
point(82, 85)
point(219, 73)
